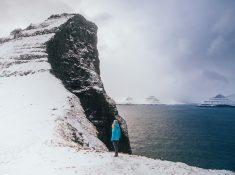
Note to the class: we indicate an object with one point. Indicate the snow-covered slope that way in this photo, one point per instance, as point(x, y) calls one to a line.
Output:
point(43, 127)
point(74, 59)
point(36, 111)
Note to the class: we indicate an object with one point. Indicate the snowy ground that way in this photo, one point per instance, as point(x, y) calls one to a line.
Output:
point(34, 109)
point(43, 129)
point(65, 161)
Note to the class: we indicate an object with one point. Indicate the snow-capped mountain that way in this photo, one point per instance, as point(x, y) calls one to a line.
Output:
point(49, 87)
point(232, 98)
point(67, 43)
point(152, 100)
point(37, 112)
point(26, 78)
point(218, 100)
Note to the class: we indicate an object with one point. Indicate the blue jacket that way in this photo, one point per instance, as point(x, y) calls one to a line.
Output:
point(116, 131)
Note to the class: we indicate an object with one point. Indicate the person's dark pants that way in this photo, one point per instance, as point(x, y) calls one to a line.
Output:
point(115, 145)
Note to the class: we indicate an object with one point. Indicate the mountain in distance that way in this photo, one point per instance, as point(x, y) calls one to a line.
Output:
point(148, 100)
point(152, 100)
point(129, 100)
point(232, 98)
point(218, 101)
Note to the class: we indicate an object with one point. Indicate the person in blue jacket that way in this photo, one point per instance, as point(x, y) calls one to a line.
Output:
point(116, 135)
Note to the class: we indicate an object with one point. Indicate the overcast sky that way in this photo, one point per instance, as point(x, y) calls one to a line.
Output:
point(177, 50)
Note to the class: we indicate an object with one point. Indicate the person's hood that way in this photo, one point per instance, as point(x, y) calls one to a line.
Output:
point(116, 123)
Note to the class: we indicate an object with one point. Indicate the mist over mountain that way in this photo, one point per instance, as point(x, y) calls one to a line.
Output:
point(178, 51)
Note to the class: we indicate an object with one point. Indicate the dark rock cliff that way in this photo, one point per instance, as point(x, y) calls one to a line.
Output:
point(73, 55)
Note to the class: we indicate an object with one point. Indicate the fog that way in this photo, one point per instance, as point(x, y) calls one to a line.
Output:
point(179, 51)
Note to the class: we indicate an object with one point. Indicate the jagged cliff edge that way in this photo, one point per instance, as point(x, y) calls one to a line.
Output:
point(73, 55)
point(69, 43)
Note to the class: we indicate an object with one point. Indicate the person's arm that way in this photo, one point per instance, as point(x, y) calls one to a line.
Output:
point(113, 125)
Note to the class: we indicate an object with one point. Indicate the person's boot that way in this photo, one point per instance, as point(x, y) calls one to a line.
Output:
point(116, 155)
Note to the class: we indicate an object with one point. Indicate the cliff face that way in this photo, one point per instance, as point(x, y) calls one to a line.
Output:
point(73, 55)
point(66, 46)
point(36, 109)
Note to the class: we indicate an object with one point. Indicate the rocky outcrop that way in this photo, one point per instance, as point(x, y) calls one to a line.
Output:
point(73, 56)
point(64, 44)
point(33, 99)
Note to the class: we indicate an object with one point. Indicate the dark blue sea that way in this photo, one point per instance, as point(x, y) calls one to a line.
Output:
point(197, 136)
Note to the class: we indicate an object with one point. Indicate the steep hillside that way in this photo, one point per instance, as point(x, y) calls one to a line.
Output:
point(37, 112)
point(74, 59)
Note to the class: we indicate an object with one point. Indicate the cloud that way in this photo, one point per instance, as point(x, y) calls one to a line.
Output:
point(224, 24)
point(176, 50)
point(218, 45)
point(102, 17)
point(20, 13)
point(215, 76)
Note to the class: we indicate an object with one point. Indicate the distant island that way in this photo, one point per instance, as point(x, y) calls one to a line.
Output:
point(150, 100)
point(218, 101)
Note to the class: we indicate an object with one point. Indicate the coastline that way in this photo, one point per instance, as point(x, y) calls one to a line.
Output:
point(182, 133)
point(44, 127)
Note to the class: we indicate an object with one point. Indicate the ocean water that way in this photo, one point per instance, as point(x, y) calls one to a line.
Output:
point(197, 136)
